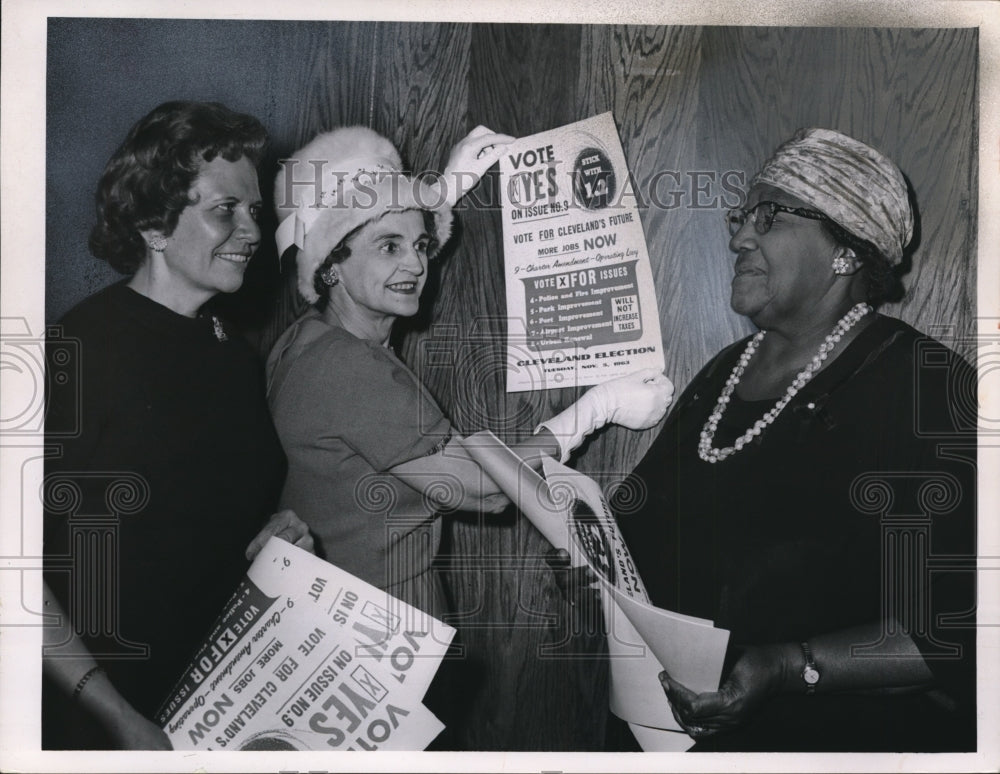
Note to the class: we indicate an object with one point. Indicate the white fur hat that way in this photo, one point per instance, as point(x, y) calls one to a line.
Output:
point(338, 182)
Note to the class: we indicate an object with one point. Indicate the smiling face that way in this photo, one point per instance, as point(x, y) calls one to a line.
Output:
point(385, 273)
point(215, 236)
point(783, 276)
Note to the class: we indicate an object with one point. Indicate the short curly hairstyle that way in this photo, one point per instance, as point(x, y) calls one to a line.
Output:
point(146, 182)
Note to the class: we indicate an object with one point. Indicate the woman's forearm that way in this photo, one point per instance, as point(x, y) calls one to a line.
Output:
point(74, 659)
point(762, 671)
point(895, 663)
point(76, 673)
point(466, 486)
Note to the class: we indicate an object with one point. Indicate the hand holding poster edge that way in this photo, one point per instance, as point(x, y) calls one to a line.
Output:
point(307, 656)
point(632, 621)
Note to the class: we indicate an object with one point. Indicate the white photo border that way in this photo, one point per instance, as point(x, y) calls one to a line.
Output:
point(22, 298)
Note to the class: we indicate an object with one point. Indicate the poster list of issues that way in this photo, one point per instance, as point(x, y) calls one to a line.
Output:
point(577, 269)
point(573, 304)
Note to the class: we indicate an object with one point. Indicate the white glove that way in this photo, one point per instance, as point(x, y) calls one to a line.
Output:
point(470, 158)
point(637, 401)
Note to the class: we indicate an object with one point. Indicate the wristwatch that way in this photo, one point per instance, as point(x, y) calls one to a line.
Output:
point(810, 674)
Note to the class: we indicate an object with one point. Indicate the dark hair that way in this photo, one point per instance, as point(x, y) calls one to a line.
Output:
point(342, 252)
point(145, 183)
point(882, 283)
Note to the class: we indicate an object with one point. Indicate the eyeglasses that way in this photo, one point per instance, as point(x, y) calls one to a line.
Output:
point(762, 216)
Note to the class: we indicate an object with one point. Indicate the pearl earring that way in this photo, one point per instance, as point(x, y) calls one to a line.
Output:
point(157, 244)
point(330, 277)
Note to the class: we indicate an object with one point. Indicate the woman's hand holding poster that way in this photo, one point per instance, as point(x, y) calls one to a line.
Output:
point(569, 509)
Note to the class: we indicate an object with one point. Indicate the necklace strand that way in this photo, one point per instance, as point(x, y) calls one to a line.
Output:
point(705, 449)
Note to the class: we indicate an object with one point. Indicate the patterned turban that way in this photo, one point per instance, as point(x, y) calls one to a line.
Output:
point(851, 183)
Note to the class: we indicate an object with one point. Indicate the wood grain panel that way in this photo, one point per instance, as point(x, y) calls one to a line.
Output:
point(910, 93)
point(342, 60)
point(924, 81)
point(647, 76)
point(502, 589)
point(329, 68)
point(421, 93)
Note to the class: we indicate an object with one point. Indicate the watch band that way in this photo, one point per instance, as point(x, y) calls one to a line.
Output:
point(810, 672)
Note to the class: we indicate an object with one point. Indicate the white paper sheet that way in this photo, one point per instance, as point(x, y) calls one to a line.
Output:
point(659, 740)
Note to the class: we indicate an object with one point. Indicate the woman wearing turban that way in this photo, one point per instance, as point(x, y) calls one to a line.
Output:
point(815, 480)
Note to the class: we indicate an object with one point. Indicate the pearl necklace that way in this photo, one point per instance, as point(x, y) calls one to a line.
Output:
point(705, 449)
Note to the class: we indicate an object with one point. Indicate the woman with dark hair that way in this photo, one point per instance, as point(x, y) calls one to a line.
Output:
point(809, 477)
point(171, 408)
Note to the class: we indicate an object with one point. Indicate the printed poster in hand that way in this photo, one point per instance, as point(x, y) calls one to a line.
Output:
point(306, 656)
point(581, 307)
point(571, 512)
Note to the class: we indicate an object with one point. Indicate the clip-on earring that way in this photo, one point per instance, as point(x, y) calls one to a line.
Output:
point(841, 265)
point(157, 244)
point(330, 277)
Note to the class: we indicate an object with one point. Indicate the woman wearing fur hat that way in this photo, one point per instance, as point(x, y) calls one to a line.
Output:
point(363, 437)
point(811, 474)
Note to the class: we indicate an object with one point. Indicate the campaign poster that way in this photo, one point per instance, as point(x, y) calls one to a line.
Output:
point(581, 308)
point(308, 657)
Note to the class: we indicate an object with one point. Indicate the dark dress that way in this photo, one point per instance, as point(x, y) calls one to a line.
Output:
point(856, 504)
point(169, 467)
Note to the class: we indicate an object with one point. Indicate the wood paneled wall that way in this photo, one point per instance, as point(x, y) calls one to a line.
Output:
point(691, 103)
